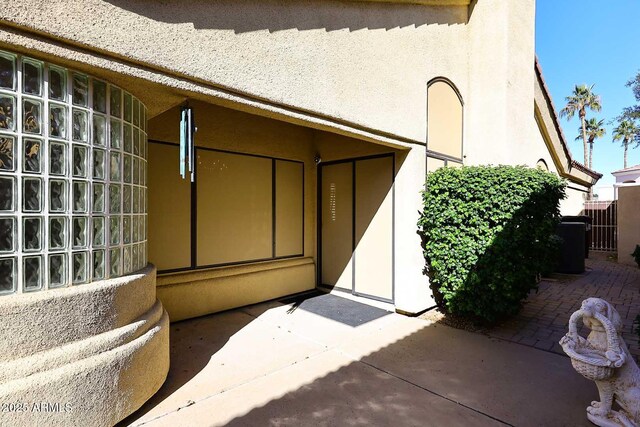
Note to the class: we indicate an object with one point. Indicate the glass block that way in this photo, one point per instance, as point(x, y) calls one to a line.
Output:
point(99, 96)
point(79, 123)
point(7, 112)
point(144, 227)
point(98, 265)
point(57, 232)
point(31, 273)
point(57, 195)
point(32, 234)
point(31, 195)
point(7, 72)
point(7, 235)
point(79, 232)
point(57, 270)
point(79, 161)
point(136, 112)
point(98, 231)
point(126, 229)
point(136, 142)
point(115, 262)
point(114, 230)
point(141, 228)
point(32, 160)
point(98, 164)
point(32, 77)
point(57, 121)
point(143, 120)
point(115, 134)
point(128, 107)
point(57, 156)
point(115, 102)
point(136, 200)
point(7, 194)
point(126, 260)
point(143, 145)
point(7, 152)
point(127, 137)
point(126, 199)
point(136, 171)
point(126, 168)
point(98, 198)
point(114, 167)
point(135, 228)
point(7, 275)
point(80, 196)
point(99, 130)
point(80, 268)
point(134, 256)
point(80, 91)
point(57, 83)
point(32, 116)
point(114, 199)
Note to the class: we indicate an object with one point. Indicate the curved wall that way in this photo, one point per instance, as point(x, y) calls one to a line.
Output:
point(72, 178)
point(84, 340)
point(83, 355)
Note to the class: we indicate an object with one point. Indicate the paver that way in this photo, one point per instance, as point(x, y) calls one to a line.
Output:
point(544, 317)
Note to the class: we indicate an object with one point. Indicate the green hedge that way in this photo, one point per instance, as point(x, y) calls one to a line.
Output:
point(488, 232)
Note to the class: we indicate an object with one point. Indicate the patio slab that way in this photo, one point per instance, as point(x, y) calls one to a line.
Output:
point(278, 364)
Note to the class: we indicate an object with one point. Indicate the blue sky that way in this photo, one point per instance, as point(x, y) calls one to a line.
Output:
point(591, 42)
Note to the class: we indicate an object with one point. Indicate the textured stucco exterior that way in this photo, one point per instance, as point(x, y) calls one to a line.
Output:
point(628, 220)
point(99, 351)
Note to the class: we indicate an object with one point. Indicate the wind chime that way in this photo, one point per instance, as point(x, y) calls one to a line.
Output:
point(187, 142)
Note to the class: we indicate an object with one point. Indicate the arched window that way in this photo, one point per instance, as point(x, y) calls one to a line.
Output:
point(444, 119)
point(542, 165)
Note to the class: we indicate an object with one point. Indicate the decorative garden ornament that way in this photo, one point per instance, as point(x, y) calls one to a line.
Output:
point(603, 357)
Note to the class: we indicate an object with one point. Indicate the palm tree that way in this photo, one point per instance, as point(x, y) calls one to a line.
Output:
point(626, 131)
point(578, 102)
point(594, 129)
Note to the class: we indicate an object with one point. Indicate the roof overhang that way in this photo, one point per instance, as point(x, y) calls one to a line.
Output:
point(547, 120)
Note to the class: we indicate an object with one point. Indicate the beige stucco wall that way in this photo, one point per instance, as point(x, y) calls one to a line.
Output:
point(628, 220)
point(98, 350)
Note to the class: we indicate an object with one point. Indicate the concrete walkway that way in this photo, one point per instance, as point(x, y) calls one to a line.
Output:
point(545, 316)
point(293, 364)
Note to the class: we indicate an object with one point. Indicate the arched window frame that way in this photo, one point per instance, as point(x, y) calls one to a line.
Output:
point(434, 154)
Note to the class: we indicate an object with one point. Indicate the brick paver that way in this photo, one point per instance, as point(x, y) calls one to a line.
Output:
point(545, 316)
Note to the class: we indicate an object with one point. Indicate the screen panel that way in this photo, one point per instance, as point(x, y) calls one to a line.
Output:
point(169, 217)
point(289, 209)
point(234, 208)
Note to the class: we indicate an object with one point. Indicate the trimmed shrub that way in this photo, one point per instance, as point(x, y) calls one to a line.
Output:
point(636, 255)
point(488, 232)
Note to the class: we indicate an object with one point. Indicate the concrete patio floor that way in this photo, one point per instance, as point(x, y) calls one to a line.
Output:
point(281, 363)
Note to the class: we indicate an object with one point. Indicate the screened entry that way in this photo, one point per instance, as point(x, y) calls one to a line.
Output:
point(356, 236)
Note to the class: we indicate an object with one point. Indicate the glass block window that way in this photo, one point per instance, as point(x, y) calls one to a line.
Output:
point(72, 178)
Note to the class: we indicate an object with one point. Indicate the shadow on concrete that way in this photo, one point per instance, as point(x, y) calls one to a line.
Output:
point(427, 379)
point(345, 311)
point(192, 343)
point(243, 16)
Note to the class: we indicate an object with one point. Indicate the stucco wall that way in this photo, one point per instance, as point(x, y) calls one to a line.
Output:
point(362, 64)
point(628, 220)
point(98, 351)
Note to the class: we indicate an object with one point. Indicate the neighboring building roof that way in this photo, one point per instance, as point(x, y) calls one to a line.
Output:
point(547, 119)
point(626, 170)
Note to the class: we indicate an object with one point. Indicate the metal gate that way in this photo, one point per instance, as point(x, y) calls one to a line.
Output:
point(604, 231)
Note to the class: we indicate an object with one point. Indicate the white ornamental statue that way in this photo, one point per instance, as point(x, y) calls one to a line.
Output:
point(603, 357)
